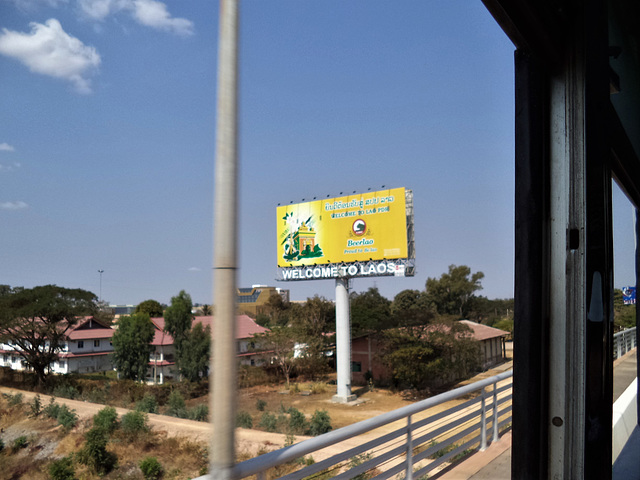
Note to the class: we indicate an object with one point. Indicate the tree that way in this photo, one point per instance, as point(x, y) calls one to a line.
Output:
point(370, 312)
point(280, 342)
point(452, 294)
point(150, 307)
point(194, 360)
point(206, 310)
point(311, 323)
point(178, 320)
point(132, 345)
point(411, 308)
point(37, 321)
point(624, 316)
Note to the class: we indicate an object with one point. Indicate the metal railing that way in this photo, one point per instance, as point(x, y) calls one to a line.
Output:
point(421, 442)
point(624, 342)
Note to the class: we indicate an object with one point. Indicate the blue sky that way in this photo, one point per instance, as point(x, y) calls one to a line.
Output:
point(107, 137)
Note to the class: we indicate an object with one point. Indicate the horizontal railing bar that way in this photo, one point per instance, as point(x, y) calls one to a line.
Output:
point(278, 457)
point(445, 413)
point(435, 464)
point(445, 428)
point(445, 443)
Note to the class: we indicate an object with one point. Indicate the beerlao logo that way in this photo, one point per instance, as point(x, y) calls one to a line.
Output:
point(359, 227)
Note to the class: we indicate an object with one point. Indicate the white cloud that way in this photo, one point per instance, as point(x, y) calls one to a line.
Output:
point(5, 147)
point(150, 13)
point(49, 50)
point(194, 269)
point(19, 205)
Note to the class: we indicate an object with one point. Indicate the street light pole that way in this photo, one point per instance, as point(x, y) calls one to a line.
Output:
point(100, 272)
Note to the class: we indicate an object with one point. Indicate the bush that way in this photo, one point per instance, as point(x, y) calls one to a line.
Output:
point(148, 404)
point(14, 400)
point(95, 454)
point(199, 413)
point(318, 387)
point(51, 410)
point(106, 419)
point(297, 422)
point(151, 468)
point(177, 407)
point(66, 391)
point(269, 422)
point(261, 405)
point(36, 406)
point(67, 418)
point(244, 420)
point(320, 423)
point(62, 469)
point(20, 442)
point(133, 424)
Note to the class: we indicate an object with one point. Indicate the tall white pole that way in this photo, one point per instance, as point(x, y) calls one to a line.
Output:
point(223, 366)
point(343, 342)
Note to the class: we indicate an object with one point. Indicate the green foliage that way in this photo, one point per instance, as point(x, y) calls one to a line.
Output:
point(151, 468)
point(281, 341)
point(194, 354)
point(132, 346)
point(356, 462)
point(426, 357)
point(133, 425)
point(150, 307)
point(20, 443)
point(62, 469)
point(199, 413)
point(37, 321)
point(320, 423)
point(244, 420)
point(148, 404)
point(106, 419)
point(95, 454)
point(176, 404)
point(370, 312)
point(261, 405)
point(178, 322)
point(67, 417)
point(298, 424)
point(453, 293)
point(624, 316)
point(269, 422)
point(505, 324)
point(15, 400)
point(411, 308)
point(66, 391)
point(36, 406)
point(52, 409)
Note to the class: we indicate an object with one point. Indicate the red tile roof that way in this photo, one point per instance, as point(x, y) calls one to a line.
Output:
point(246, 327)
point(484, 332)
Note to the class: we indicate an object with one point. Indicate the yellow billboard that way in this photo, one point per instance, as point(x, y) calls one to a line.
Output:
point(354, 228)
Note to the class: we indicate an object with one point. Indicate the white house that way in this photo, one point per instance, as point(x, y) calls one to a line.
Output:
point(88, 348)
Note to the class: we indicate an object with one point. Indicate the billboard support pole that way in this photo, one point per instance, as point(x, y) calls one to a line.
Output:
point(343, 342)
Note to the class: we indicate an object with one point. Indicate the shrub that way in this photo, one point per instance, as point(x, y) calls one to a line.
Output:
point(320, 423)
point(14, 400)
point(52, 410)
point(67, 418)
point(244, 420)
point(177, 407)
point(318, 387)
point(62, 469)
point(106, 419)
point(36, 406)
point(199, 413)
point(151, 468)
point(297, 422)
point(269, 422)
point(133, 424)
point(66, 391)
point(95, 454)
point(20, 442)
point(261, 405)
point(148, 404)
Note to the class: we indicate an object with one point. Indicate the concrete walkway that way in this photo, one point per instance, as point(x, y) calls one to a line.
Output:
point(495, 462)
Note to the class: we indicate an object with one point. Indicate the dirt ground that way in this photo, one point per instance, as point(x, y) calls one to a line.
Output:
point(251, 442)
